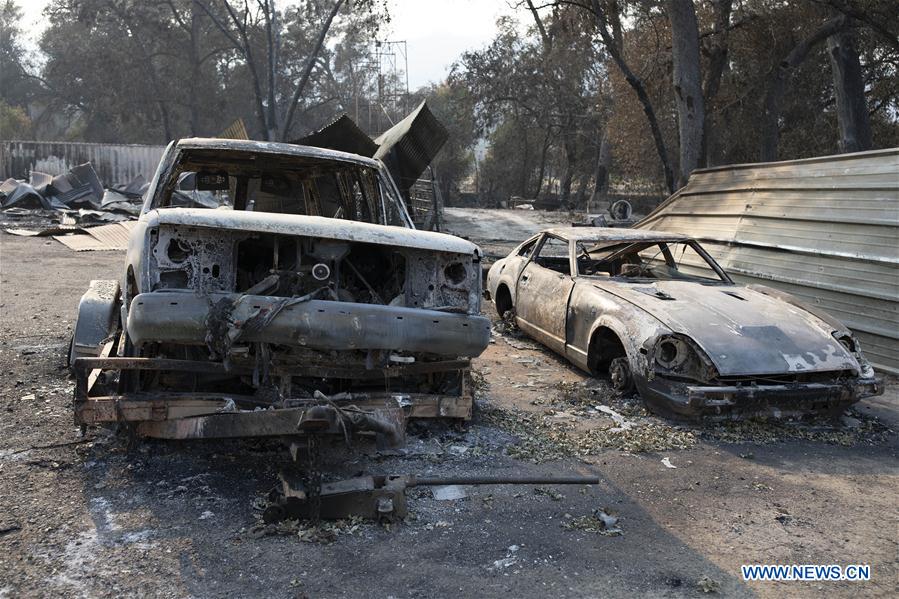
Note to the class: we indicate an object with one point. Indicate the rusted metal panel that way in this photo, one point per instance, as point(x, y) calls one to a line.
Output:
point(114, 163)
point(824, 229)
point(236, 130)
point(196, 416)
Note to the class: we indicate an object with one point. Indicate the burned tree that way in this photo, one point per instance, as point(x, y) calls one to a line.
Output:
point(849, 93)
point(688, 94)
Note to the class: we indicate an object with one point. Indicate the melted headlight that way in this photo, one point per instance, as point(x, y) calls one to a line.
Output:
point(679, 355)
point(671, 352)
point(848, 343)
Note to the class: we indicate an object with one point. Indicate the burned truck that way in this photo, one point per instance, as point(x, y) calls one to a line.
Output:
point(273, 289)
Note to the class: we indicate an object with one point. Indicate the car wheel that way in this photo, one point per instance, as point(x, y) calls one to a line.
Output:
point(620, 375)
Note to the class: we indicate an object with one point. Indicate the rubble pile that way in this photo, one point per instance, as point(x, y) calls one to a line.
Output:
point(77, 197)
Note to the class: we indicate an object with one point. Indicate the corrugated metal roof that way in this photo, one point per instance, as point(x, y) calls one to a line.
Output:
point(408, 147)
point(608, 234)
point(102, 238)
point(824, 229)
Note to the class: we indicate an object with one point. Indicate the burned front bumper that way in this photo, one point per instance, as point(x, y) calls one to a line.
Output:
point(211, 415)
point(739, 401)
point(369, 393)
point(184, 318)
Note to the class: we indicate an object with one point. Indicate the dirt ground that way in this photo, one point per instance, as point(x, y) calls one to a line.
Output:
point(95, 518)
point(497, 230)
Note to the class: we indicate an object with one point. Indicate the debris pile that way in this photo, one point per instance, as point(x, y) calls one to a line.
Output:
point(77, 196)
point(640, 439)
point(77, 202)
point(323, 532)
point(856, 429)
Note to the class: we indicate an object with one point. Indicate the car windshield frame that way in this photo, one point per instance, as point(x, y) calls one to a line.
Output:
point(385, 206)
point(625, 247)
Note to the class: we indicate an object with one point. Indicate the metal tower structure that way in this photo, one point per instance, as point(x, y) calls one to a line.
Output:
point(388, 73)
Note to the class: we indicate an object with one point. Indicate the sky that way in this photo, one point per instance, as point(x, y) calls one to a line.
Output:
point(436, 31)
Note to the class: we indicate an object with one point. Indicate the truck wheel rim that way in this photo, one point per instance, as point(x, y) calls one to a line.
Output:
point(619, 373)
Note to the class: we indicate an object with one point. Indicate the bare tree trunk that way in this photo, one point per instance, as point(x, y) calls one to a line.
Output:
point(601, 175)
point(547, 42)
point(547, 142)
point(257, 93)
point(687, 79)
point(310, 63)
point(271, 34)
point(194, 101)
point(613, 46)
point(571, 159)
point(719, 49)
point(615, 18)
point(717, 65)
point(581, 189)
point(241, 43)
point(777, 84)
point(525, 165)
point(849, 90)
point(565, 186)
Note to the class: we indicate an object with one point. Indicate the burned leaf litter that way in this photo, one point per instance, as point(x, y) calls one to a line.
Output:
point(571, 418)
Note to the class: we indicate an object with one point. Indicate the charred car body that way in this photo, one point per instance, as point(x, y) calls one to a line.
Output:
point(270, 284)
point(655, 312)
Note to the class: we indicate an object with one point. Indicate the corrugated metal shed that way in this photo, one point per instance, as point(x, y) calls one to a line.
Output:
point(824, 229)
point(114, 163)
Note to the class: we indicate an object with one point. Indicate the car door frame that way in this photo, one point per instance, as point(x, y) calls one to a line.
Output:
point(538, 330)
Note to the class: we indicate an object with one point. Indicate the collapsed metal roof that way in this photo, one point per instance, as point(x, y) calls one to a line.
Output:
point(342, 134)
point(406, 149)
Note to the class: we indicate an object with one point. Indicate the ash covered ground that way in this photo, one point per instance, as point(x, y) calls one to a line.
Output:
point(96, 517)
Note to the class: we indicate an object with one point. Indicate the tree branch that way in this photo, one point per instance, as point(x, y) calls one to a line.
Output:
point(638, 87)
point(310, 63)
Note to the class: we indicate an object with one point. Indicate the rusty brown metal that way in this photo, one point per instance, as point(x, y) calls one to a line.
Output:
point(308, 369)
point(205, 415)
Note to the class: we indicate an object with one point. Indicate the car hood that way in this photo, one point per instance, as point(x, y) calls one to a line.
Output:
point(310, 226)
point(742, 331)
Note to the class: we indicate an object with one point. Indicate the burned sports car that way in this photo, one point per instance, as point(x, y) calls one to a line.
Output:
point(655, 313)
point(275, 289)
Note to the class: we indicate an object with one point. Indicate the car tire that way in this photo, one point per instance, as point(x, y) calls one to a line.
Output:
point(620, 375)
point(502, 302)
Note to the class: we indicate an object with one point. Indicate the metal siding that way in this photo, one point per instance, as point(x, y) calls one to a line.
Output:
point(824, 229)
point(114, 163)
